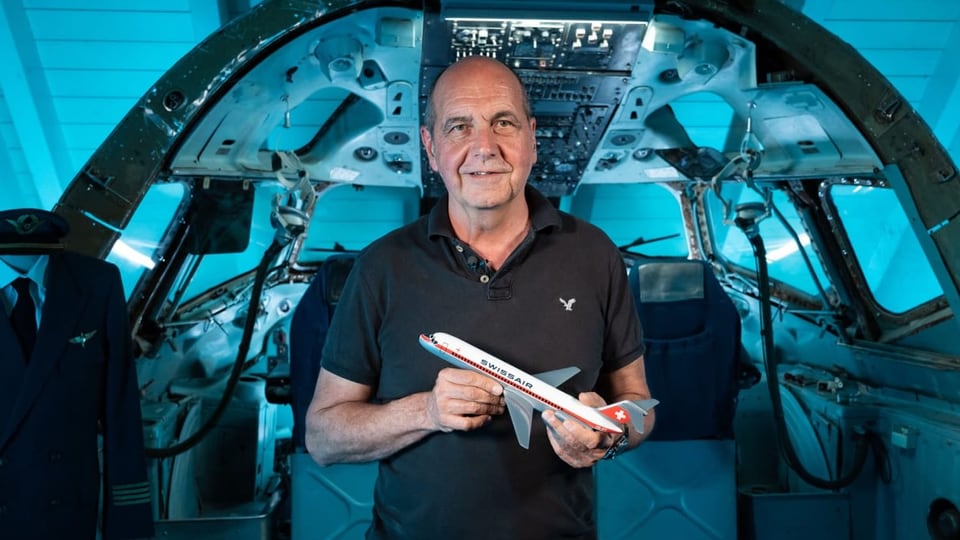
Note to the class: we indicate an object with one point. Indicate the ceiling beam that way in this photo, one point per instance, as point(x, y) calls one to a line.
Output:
point(31, 107)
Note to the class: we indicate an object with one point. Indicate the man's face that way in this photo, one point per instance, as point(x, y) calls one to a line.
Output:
point(482, 143)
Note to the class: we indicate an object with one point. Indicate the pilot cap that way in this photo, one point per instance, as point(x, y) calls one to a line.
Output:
point(25, 230)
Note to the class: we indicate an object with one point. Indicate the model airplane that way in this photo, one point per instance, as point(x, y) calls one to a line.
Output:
point(524, 392)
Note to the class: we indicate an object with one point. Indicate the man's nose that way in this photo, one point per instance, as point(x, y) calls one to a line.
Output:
point(485, 144)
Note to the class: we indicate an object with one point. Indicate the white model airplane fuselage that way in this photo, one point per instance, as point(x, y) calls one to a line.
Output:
point(524, 392)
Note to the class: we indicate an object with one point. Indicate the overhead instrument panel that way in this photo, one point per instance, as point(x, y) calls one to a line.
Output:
point(575, 72)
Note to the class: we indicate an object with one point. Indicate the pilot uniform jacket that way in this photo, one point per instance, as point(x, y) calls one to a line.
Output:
point(79, 381)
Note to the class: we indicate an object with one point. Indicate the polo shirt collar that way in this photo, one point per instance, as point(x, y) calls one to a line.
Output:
point(543, 215)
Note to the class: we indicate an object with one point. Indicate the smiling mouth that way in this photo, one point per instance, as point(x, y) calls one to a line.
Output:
point(485, 173)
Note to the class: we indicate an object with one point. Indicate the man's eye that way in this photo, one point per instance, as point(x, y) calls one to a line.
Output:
point(457, 128)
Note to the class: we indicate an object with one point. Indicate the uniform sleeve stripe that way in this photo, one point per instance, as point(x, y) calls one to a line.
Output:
point(137, 486)
point(144, 500)
point(130, 494)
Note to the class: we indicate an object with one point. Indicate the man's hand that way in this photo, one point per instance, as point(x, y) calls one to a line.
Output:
point(575, 443)
point(463, 400)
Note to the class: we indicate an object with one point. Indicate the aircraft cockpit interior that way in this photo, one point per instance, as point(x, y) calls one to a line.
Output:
point(787, 220)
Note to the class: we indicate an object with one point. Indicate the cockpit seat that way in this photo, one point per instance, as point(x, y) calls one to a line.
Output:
point(692, 332)
point(333, 501)
point(308, 330)
point(684, 474)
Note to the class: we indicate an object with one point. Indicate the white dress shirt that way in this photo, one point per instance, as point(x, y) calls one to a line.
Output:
point(33, 267)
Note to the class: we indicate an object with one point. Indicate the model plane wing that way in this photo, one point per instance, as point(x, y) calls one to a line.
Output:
point(520, 409)
point(557, 377)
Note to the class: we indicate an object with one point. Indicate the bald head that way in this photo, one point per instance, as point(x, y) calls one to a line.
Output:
point(471, 69)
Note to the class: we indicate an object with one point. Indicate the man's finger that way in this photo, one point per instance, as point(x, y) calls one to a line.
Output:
point(466, 377)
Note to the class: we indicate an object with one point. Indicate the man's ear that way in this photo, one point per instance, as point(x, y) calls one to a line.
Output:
point(427, 139)
point(533, 134)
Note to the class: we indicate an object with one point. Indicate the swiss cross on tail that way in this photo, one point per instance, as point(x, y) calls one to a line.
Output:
point(629, 412)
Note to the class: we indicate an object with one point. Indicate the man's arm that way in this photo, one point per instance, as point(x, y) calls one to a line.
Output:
point(344, 427)
point(580, 446)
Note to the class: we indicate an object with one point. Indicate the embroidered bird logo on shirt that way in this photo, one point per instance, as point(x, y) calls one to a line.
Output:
point(83, 338)
point(568, 304)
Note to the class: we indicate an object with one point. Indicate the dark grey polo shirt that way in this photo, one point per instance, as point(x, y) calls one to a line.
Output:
point(560, 299)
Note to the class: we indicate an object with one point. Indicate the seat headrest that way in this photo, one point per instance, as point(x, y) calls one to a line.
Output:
point(335, 270)
point(671, 281)
point(30, 230)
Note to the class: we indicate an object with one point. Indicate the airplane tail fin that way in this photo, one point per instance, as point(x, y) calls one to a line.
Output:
point(629, 412)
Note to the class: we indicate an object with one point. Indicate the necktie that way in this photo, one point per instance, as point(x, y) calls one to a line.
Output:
point(24, 316)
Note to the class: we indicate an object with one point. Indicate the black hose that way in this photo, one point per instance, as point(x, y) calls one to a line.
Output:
point(787, 452)
point(252, 312)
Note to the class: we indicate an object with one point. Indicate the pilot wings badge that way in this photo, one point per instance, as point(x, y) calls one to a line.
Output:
point(83, 338)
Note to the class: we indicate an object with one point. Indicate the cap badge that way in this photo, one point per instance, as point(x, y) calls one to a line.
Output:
point(25, 224)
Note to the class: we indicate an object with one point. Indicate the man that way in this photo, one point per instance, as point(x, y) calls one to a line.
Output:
point(497, 266)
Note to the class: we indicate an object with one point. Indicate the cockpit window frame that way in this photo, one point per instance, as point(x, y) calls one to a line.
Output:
point(890, 325)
